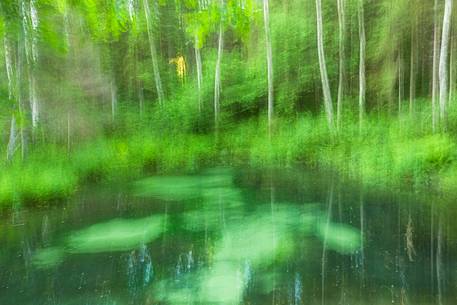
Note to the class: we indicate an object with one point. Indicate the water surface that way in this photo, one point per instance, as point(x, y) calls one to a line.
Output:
point(226, 236)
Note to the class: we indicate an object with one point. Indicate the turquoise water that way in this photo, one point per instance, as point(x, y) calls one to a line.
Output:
point(231, 236)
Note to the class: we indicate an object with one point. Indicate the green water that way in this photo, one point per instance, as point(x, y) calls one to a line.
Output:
point(231, 236)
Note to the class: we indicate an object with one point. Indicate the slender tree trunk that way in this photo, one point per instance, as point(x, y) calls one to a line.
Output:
point(12, 139)
point(217, 78)
point(20, 106)
point(113, 91)
point(11, 148)
point(341, 77)
point(155, 64)
point(436, 50)
point(400, 82)
point(68, 131)
point(33, 100)
point(443, 68)
point(362, 79)
point(9, 68)
point(141, 98)
point(266, 18)
point(451, 70)
point(198, 61)
point(34, 107)
point(323, 67)
point(412, 71)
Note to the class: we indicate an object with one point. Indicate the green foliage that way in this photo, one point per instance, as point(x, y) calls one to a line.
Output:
point(95, 54)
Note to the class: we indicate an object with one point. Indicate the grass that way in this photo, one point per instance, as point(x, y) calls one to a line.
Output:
point(394, 152)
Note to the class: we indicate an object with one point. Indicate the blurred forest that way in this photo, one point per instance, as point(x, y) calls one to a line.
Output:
point(94, 88)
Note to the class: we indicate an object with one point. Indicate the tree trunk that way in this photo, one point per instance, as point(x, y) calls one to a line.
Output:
point(443, 68)
point(412, 71)
point(155, 64)
point(266, 17)
point(451, 69)
point(198, 61)
point(341, 77)
point(12, 139)
point(34, 107)
point(400, 82)
point(68, 132)
point(322, 66)
point(21, 112)
point(33, 100)
point(436, 47)
point(9, 68)
point(217, 78)
point(113, 91)
point(362, 79)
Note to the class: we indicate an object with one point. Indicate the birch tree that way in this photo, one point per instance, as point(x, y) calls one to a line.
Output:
point(443, 68)
point(266, 16)
point(197, 35)
point(362, 50)
point(436, 39)
point(323, 67)
point(152, 47)
point(451, 68)
point(217, 76)
point(11, 148)
point(400, 80)
point(341, 76)
point(198, 62)
point(412, 68)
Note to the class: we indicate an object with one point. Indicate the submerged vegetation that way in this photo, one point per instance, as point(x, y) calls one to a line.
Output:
point(102, 91)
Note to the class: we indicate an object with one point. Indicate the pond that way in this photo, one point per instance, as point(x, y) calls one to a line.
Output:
point(231, 236)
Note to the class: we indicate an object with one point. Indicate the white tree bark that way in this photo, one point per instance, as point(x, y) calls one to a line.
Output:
point(451, 70)
point(266, 18)
point(217, 78)
point(443, 68)
point(323, 67)
point(198, 61)
point(155, 64)
point(362, 50)
point(436, 50)
point(9, 68)
point(412, 71)
point(341, 77)
point(33, 100)
point(11, 148)
point(12, 139)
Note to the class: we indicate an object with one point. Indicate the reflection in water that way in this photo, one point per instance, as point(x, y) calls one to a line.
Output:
point(297, 290)
point(139, 271)
point(439, 260)
point(224, 237)
point(325, 234)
